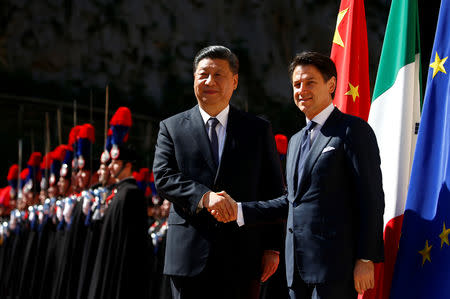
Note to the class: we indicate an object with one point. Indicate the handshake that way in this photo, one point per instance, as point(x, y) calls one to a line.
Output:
point(221, 206)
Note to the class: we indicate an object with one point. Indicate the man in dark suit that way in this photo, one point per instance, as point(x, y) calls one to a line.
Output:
point(334, 202)
point(204, 150)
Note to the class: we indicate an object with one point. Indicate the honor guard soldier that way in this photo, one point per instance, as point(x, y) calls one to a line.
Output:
point(86, 138)
point(69, 274)
point(45, 174)
point(33, 179)
point(65, 179)
point(8, 195)
point(121, 265)
point(58, 155)
point(94, 222)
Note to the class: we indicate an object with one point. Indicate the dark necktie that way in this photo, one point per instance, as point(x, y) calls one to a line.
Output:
point(212, 123)
point(304, 150)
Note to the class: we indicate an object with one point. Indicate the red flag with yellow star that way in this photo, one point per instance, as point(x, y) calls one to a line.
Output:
point(350, 54)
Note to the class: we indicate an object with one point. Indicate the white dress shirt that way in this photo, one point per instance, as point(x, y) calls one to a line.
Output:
point(221, 128)
point(320, 120)
point(221, 131)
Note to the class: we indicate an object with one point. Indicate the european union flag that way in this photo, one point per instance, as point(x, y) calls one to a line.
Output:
point(422, 268)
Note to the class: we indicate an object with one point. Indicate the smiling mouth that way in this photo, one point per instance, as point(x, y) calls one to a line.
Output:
point(210, 92)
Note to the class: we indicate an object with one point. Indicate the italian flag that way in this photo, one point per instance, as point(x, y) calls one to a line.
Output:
point(394, 116)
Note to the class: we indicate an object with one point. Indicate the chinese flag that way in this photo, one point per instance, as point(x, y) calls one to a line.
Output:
point(350, 54)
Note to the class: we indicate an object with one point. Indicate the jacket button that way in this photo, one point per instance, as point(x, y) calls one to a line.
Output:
point(290, 230)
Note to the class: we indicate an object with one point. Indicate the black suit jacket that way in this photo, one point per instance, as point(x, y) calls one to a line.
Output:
point(184, 171)
point(336, 215)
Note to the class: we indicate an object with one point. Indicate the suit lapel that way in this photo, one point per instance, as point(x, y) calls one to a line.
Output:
point(323, 137)
point(292, 163)
point(230, 139)
point(200, 138)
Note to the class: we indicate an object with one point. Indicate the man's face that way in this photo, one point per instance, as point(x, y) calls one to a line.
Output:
point(12, 204)
point(83, 178)
point(103, 174)
point(21, 204)
point(115, 169)
point(214, 82)
point(52, 191)
point(311, 93)
point(63, 184)
point(28, 195)
point(165, 208)
point(42, 196)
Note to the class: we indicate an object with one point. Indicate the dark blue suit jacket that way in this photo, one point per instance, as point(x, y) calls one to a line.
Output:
point(184, 170)
point(336, 215)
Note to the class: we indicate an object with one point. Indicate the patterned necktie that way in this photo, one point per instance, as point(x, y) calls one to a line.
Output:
point(304, 150)
point(212, 123)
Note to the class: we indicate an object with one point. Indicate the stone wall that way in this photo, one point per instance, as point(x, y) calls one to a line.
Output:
point(144, 45)
point(63, 50)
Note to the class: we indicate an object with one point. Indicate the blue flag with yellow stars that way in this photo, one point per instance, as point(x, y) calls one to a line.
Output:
point(422, 268)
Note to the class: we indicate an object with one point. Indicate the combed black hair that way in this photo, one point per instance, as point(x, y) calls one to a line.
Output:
point(322, 62)
point(217, 52)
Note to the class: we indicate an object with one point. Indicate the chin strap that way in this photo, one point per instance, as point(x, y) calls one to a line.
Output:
point(120, 171)
point(124, 163)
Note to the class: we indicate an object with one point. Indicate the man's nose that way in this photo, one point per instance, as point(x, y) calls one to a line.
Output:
point(210, 80)
point(302, 89)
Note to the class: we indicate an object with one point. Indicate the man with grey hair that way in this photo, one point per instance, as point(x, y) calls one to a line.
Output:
point(200, 154)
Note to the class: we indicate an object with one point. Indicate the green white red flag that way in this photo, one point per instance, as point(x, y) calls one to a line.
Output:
point(394, 116)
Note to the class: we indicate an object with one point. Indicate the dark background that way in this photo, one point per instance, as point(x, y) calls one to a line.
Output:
point(54, 53)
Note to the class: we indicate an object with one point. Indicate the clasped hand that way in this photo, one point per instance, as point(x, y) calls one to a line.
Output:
point(221, 206)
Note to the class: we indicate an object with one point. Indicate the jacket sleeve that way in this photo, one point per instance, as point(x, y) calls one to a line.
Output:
point(364, 157)
point(170, 182)
point(273, 186)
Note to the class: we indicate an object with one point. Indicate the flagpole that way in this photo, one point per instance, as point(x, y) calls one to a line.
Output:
point(106, 114)
point(19, 190)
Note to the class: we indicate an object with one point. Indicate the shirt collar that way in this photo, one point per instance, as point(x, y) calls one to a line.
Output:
point(222, 117)
point(322, 117)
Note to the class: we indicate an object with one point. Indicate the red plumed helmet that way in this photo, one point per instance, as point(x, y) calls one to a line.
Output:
point(13, 173)
point(137, 176)
point(282, 144)
point(73, 135)
point(24, 174)
point(145, 174)
point(87, 131)
point(46, 161)
point(59, 152)
point(35, 159)
point(152, 178)
point(122, 117)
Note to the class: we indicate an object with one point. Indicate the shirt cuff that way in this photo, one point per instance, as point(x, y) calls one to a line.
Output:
point(240, 215)
point(364, 261)
point(200, 203)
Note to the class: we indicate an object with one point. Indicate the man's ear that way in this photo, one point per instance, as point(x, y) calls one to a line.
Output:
point(332, 84)
point(235, 81)
point(129, 165)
